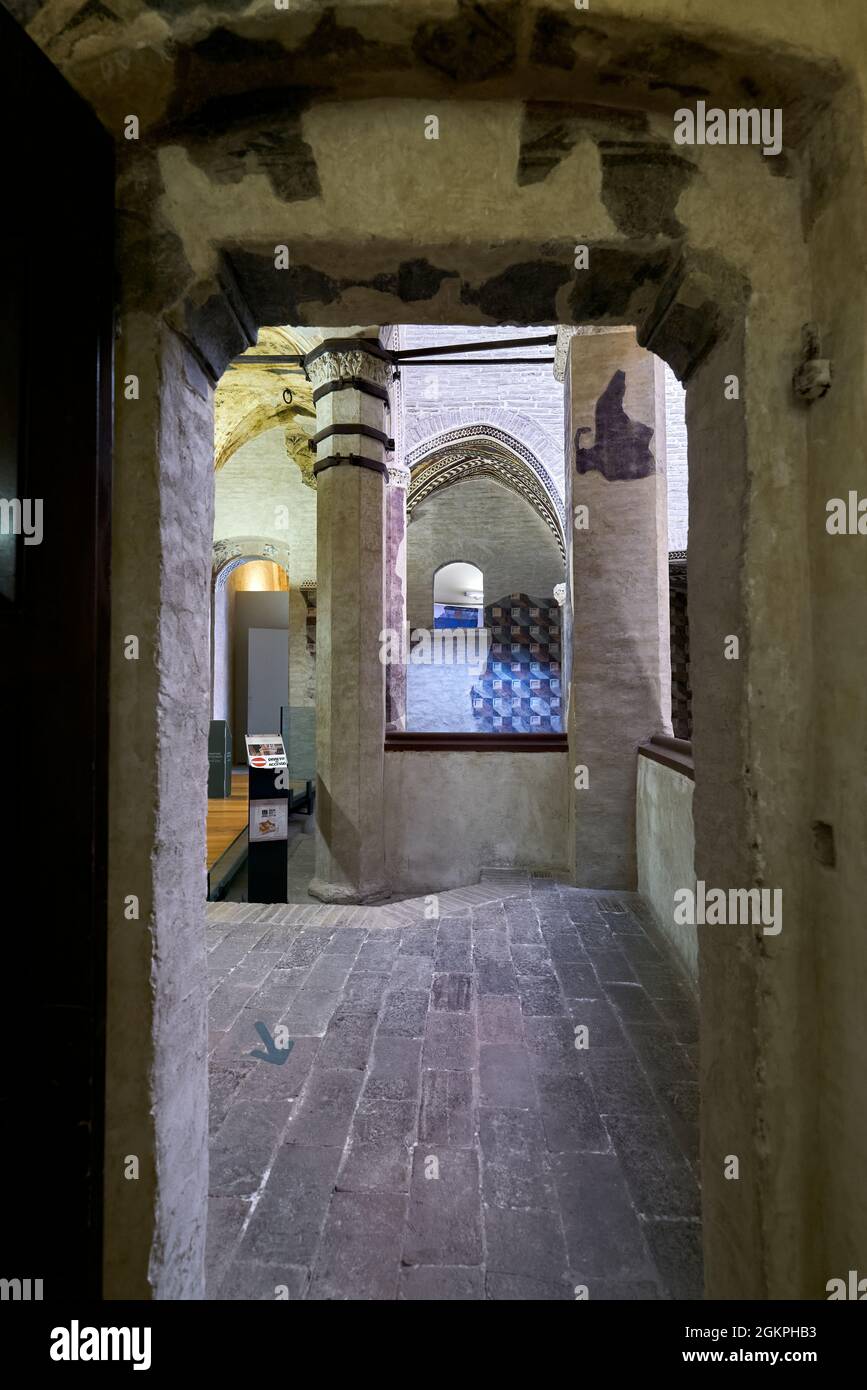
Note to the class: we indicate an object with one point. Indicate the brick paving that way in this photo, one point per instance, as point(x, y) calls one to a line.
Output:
point(434, 1132)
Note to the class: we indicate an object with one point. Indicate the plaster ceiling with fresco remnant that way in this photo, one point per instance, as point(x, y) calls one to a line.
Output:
point(193, 64)
point(240, 114)
point(253, 397)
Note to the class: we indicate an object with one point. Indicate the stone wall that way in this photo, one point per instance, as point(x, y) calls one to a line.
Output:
point(448, 815)
point(833, 739)
point(665, 840)
point(156, 1043)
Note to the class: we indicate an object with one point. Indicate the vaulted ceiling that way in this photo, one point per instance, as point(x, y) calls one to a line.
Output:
point(253, 397)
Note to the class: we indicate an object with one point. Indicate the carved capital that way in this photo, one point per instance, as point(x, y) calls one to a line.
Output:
point(561, 351)
point(299, 451)
point(565, 336)
point(398, 476)
point(338, 365)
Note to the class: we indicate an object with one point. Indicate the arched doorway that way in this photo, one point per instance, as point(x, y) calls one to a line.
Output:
point(458, 594)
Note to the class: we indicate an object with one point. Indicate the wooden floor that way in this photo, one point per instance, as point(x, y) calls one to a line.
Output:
point(227, 817)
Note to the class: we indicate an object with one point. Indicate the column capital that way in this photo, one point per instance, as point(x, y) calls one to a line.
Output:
point(343, 359)
point(565, 334)
point(399, 476)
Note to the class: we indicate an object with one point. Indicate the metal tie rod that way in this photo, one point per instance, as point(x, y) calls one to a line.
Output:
point(495, 345)
point(548, 340)
point(477, 362)
point(259, 357)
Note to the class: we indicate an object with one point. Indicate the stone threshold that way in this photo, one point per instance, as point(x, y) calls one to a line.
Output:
point(495, 884)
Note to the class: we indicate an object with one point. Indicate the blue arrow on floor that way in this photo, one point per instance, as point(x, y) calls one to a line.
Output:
point(274, 1054)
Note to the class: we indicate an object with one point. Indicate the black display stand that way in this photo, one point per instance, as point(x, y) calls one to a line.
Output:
point(267, 860)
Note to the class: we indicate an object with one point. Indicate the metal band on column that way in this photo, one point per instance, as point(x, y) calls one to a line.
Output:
point(353, 460)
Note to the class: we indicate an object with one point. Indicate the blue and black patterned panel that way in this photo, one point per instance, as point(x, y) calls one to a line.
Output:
point(519, 690)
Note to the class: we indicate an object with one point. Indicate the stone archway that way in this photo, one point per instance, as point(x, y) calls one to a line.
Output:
point(517, 431)
point(228, 555)
point(674, 325)
point(484, 450)
point(697, 333)
point(233, 550)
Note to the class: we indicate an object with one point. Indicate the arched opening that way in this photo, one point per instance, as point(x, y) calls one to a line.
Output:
point(490, 489)
point(458, 595)
point(230, 682)
point(445, 482)
point(249, 694)
point(263, 652)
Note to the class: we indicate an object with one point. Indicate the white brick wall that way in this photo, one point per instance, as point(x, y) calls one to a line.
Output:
point(436, 399)
point(249, 491)
point(675, 448)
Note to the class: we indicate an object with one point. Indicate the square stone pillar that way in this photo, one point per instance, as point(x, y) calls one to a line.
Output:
point(156, 1074)
point(350, 378)
point(620, 682)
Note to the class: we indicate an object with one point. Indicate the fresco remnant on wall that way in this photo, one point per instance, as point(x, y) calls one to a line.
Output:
point(622, 448)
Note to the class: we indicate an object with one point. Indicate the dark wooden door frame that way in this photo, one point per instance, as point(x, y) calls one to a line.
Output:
point(57, 246)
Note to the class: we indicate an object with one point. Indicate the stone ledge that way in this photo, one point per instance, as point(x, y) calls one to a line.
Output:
point(403, 742)
point(675, 753)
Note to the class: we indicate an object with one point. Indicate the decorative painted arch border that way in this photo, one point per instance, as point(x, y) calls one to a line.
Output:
point(485, 451)
point(233, 551)
point(520, 432)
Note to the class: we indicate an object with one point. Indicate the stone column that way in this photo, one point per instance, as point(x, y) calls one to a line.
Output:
point(395, 591)
point(620, 684)
point(350, 378)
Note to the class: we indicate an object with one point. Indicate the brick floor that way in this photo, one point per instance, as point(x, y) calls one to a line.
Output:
point(434, 1132)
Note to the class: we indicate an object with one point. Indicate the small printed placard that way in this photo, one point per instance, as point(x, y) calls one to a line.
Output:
point(269, 820)
point(265, 750)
